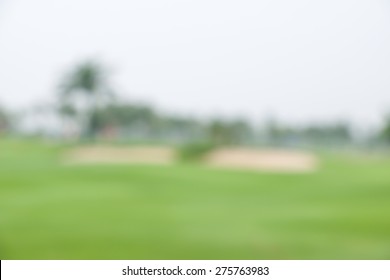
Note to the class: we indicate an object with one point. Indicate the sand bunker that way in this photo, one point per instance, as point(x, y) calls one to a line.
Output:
point(236, 158)
point(118, 155)
point(263, 160)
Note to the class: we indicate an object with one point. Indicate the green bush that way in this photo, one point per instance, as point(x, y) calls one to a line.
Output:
point(195, 151)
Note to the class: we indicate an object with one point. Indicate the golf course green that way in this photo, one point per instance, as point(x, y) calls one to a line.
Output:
point(49, 210)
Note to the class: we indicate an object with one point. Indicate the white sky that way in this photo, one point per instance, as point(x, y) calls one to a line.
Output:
point(300, 60)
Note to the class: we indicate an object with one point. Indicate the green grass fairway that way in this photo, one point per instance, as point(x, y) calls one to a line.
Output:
point(51, 211)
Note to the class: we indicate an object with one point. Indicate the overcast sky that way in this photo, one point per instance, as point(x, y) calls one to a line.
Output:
point(300, 60)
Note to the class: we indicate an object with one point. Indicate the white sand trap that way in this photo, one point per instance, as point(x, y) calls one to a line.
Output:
point(120, 155)
point(263, 160)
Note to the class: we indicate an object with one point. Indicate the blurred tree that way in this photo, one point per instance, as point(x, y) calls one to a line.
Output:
point(217, 132)
point(333, 134)
point(4, 121)
point(125, 114)
point(241, 132)
point(276, 133)
point(182, 129)
point(87, 80)
point(68, 115)
point(385, 132)
point(229, 132)
point(67, 110)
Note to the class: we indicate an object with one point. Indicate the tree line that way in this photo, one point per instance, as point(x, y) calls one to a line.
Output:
point(89, 109)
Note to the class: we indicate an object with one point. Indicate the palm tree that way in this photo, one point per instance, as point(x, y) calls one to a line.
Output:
point(87, 82)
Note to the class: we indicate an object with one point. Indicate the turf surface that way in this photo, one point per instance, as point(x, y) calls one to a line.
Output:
point(52, 211)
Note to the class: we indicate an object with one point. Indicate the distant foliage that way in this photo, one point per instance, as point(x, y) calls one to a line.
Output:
point(4, 121)
point(234, 132)
point(87, 101)
point(385, 132)
point(324, 134)
point(85, 85)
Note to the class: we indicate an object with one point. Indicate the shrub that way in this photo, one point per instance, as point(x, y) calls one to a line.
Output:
point(195, 151)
